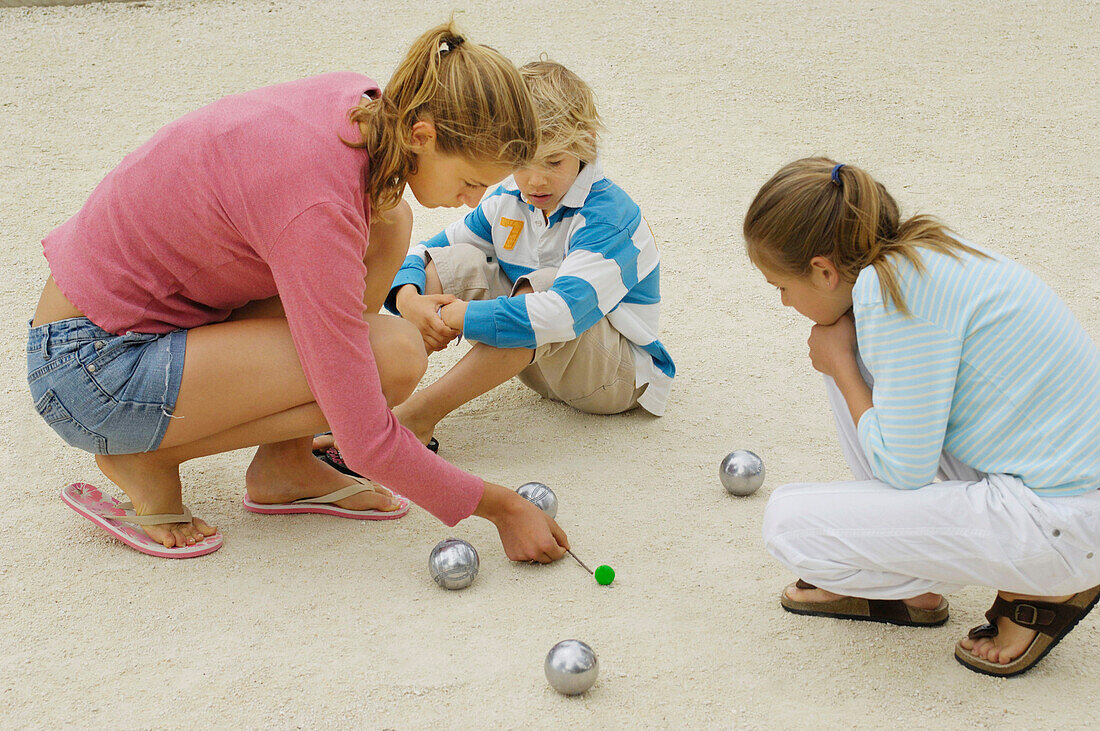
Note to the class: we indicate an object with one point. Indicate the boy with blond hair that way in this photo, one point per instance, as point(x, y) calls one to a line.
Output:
point(554, 277)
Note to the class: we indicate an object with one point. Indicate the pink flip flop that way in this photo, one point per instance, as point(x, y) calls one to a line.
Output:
point(324, 505)
point(119, 520)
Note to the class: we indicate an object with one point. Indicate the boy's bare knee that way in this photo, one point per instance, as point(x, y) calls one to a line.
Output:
point(524, 288)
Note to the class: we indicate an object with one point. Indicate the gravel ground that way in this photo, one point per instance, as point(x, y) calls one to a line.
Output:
point(984, 115)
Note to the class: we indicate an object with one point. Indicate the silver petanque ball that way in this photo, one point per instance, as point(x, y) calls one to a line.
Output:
point(453, 563)
point(571, 667)
point(741, 472)
point(540, 495)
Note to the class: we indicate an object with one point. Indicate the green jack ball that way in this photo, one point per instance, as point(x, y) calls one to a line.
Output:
point(604, 575)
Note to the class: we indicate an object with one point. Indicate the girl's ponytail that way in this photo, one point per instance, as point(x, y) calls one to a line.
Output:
point(818, 207)
point(472, 94)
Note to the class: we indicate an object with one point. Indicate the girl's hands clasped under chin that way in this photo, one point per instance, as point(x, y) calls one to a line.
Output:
point(833, 352)
point(833, 347)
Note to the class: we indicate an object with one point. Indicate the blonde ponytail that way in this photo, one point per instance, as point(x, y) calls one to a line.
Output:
point(474, 96)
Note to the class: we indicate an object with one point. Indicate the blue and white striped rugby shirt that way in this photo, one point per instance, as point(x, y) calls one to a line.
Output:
point(608, 266)
point(992, 367)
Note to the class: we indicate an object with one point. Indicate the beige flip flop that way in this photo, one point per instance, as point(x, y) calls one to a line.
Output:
point(324, 505)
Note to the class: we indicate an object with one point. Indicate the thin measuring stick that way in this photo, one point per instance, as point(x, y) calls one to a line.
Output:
point(579, 561)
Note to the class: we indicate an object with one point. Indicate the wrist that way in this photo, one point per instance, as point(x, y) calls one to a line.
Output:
point(857, 394)
point(844, 366)
point(848, 378)
point(454, 315)
point(494, 502)
point(404, 296)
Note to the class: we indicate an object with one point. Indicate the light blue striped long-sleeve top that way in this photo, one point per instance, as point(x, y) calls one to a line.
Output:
point(607, 264)
point(991, 366)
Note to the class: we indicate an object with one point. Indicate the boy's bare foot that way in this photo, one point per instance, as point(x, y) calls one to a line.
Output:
point(283, 473)
point(923, 601)
point(324, 441)
point(1012, 639)
point(153, 489)
point(423, 428)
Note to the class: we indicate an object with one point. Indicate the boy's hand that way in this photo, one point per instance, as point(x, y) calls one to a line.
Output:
point(527, 533)
point(454, 314)
point(421, 310)
point(833, 347)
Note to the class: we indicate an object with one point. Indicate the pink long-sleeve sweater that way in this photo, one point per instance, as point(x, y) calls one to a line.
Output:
point(252, 196)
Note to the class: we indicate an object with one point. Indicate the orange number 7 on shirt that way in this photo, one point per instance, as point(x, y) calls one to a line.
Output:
point(516, 227)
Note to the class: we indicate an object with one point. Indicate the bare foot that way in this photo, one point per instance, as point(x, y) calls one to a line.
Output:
point(154, 488)
point(1012, 639)
point(423, 428)
point(923, 601)
point(288, 471)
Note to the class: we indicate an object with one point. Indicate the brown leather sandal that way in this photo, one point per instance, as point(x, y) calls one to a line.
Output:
point(1052, 621)
point(889, 611)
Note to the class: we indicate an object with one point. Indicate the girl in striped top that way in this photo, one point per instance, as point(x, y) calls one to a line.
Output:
point(940, 359)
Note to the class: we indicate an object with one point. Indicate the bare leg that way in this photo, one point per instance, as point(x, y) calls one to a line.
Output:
point(243, 385)
point(389, 244)
point(478, 372)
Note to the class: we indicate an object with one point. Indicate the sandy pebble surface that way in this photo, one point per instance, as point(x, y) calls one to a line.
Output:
point(984, 115)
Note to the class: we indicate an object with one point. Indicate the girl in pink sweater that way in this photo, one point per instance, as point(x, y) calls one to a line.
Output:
point(220, 290)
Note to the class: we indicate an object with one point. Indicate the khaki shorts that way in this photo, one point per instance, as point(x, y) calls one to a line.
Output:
point(593, 373)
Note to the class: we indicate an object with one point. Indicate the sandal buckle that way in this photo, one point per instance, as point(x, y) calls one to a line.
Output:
point(1026, 615)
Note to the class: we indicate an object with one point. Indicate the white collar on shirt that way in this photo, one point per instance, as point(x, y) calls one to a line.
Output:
point(582, 186)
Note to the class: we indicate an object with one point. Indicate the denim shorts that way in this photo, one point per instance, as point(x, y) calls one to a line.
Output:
point(105, 393)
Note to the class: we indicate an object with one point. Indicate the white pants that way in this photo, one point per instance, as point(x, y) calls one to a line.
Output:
point(871, 540)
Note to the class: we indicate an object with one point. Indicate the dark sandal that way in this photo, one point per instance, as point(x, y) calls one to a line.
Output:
point(1052, 621)
point(332, 457)
point(889, 611)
